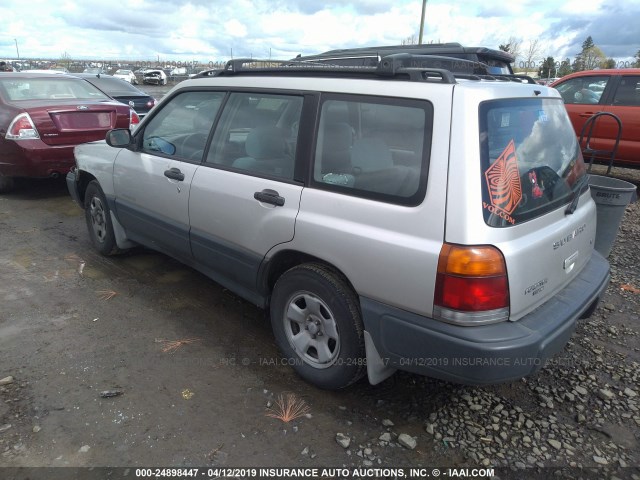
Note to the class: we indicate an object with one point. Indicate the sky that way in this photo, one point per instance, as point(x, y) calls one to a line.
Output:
point(215, 30)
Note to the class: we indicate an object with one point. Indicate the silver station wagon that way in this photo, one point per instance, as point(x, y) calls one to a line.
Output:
point(387, 217)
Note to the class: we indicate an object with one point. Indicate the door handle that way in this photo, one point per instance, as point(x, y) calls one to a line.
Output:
point(174, 174)
point(269, 196)
point(587, 114)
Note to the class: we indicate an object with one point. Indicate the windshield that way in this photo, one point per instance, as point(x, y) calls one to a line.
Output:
point(497, 67)
point(531, 161)
point(52, 87)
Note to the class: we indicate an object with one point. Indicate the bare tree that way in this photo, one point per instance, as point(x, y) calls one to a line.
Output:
point(410, 40)
point(512, 46)
point(531, 54)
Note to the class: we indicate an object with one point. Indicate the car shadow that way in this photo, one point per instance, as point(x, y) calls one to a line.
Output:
point(34, 189)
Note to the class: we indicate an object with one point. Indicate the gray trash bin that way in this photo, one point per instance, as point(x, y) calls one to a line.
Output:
point(612, 196)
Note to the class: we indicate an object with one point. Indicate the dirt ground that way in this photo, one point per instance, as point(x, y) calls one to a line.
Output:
point(195, 372)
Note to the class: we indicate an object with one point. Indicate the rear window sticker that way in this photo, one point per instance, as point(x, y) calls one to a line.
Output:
point(505, 120)
point(542, 116)
point(503, 184)
point(536, 188)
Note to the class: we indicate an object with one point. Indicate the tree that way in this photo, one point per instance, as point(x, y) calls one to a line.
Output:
point(512, 46)
point(588, 43)
point(590, 57)
point(410, 40)
point(548, 69)
point(65, 59)
point(531, 54)
point(565, 67)
point(609, 63)
point(637, 64)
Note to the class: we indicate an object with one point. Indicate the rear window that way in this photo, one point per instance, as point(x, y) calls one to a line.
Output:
point(531, 162)
point(54, 87)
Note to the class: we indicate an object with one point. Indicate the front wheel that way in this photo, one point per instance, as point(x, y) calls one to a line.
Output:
point(98, 217)
point(317, 324)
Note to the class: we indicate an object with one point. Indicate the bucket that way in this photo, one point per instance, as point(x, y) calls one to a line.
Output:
point(612, 196)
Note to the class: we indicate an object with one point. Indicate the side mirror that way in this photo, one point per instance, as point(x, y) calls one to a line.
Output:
point(118, 137)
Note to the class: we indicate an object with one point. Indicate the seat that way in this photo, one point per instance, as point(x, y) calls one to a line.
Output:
point(370, 154)
point(266, 149)
point(336, 148)
point(375, 170)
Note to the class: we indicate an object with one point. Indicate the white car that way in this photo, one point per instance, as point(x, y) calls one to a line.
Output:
point(127, 76)
point(154, 77)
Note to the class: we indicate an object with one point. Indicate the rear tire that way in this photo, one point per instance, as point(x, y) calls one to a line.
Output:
point(98, 217)
point(316, 320)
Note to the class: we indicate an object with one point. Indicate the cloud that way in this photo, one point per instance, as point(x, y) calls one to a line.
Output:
point(208, 30)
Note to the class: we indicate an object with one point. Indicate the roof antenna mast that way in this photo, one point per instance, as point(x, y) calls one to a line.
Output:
point(424, 6)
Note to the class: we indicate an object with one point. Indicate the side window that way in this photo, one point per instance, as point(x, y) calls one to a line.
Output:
point(374, 148)
point(583, 90)
point(181, 128)
point(628, 92)
point(258, 134)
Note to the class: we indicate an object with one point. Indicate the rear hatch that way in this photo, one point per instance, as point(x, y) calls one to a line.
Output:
point(528, 198)
point(64, 123)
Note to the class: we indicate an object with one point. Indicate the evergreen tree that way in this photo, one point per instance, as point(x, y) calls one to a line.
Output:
point(590, 57)
point(588, 43)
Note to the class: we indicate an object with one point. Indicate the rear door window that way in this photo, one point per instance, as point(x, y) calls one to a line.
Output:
point(628, 91)
point(257, 134)
point(375, 148)
point(531, 161)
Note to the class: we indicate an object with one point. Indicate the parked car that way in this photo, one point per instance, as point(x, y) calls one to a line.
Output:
point(43, 116)
point(178, 71)
point(613, 90)
point(123, 92)
point(126, 75)
point(426, 222)
point(154, 77)
point(6, 67)
point(95, 70)
point(497, 61)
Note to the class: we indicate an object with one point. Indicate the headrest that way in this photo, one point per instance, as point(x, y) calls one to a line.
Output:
point(338, 136)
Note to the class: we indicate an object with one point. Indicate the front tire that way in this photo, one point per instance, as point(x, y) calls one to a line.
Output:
point(98, 217)
point(317, 324)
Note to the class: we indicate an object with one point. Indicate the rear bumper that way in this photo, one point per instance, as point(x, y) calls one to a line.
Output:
point(73, 187)
point(485, 354)
point(34, 158)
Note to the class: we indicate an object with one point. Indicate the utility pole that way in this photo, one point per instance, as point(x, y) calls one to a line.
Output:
point(424, 6)
point(17, 51)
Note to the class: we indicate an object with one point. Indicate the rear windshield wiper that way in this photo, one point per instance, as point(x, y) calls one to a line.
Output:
point(577, 193)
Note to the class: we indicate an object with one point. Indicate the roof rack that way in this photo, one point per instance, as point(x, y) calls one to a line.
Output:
point(403, 66)
point(386, 68)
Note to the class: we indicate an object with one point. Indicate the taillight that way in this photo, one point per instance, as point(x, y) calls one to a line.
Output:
point(22, 128)
point(151, 103)
point(472, 287)
point(134, 119)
